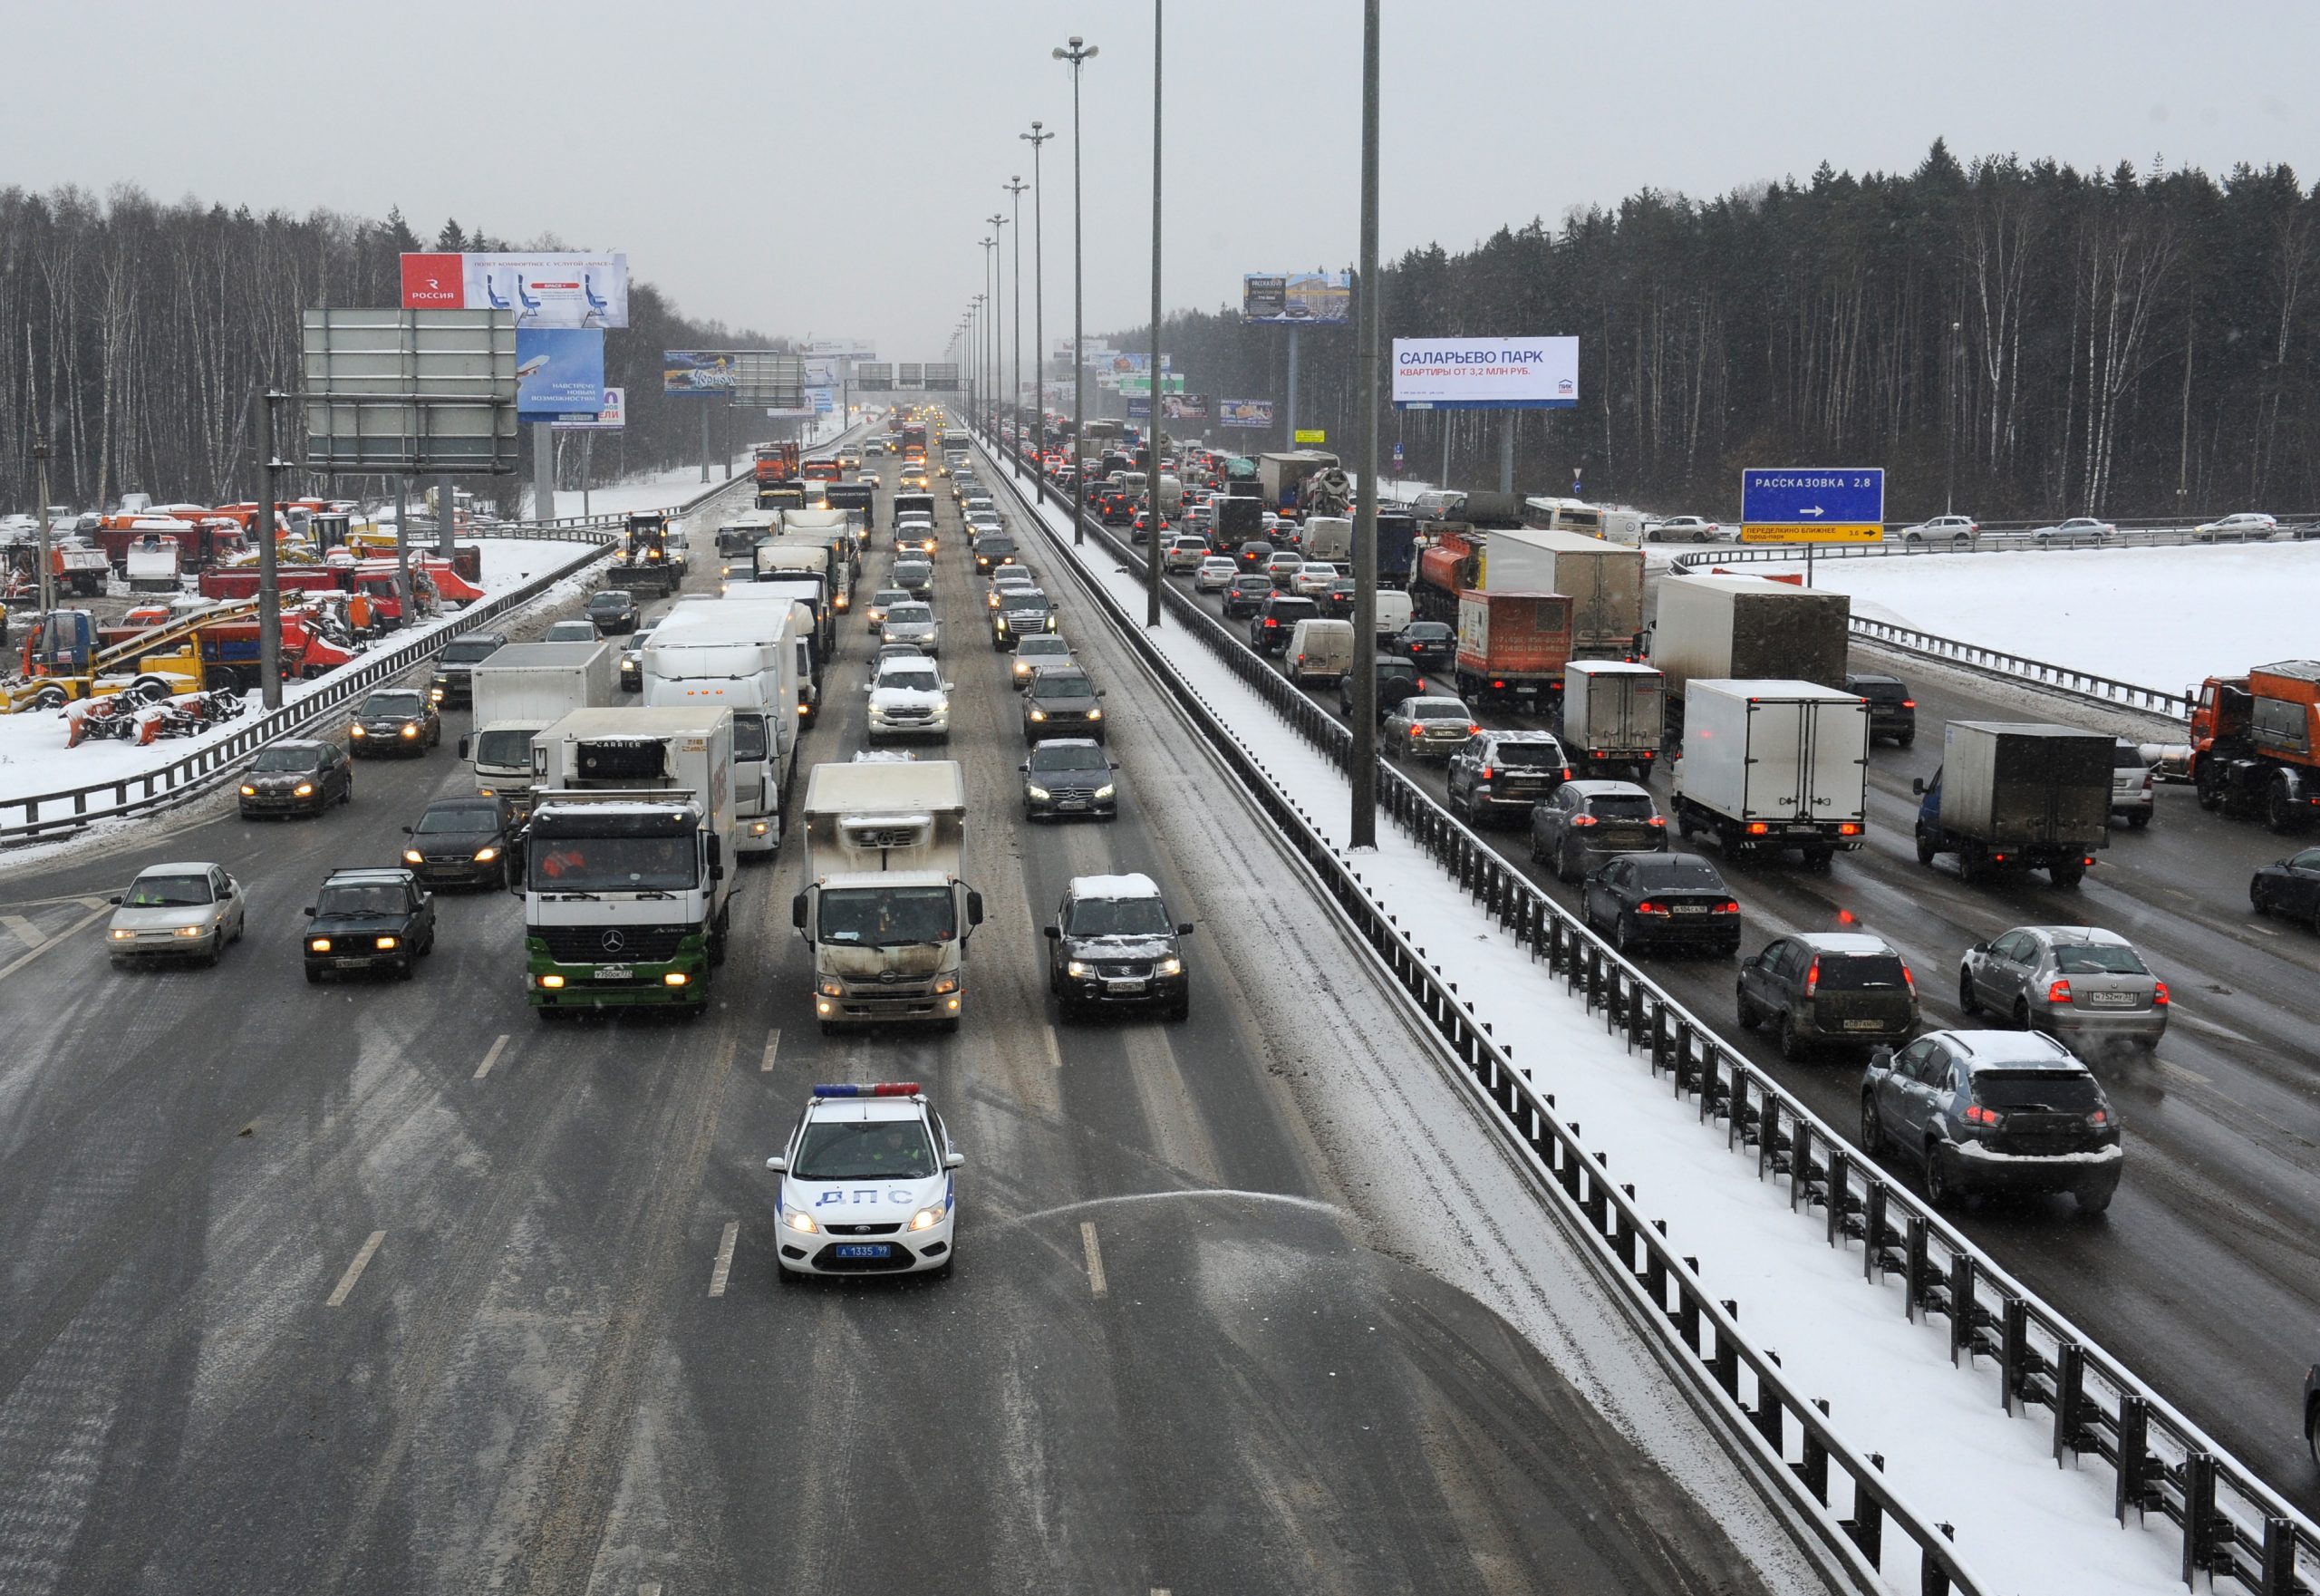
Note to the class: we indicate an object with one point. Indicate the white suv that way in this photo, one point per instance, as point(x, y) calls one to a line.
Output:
point(1951, 529)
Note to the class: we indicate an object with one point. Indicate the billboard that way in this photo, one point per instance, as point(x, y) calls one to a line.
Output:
point(1184, 407)
point(409, 390)
point(821, 372)
point(559, 370)
point(875, 374)
point(1140, 409)
point(1244, 412)
point(564, 290)
point(697, 371)
point(612, 415)
point(821, 401)
point(1485, 373)
point(841, 348)
point(761, 376)
point(943, 377)
point(1297, 299)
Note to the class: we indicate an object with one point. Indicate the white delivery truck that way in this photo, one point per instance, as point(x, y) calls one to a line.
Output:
point(710, 652)
point(883, 912)
point(627, 860)
point(803, 563)
point(519, 690)
point(840, 532)
point(1747, 629)
point(1774, 765)
point(1613, 714)
point(1603, 581)
point(810, 657)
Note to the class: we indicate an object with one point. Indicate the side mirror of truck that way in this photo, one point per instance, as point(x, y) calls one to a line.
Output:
point(1917, 785)
point(463, 747)
point(974, 907)
point(797, 911)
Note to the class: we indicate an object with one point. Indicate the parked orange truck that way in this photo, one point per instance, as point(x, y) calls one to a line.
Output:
point(2256, 743)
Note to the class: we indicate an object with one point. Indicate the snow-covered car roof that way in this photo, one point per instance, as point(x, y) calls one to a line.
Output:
point(1135, 884)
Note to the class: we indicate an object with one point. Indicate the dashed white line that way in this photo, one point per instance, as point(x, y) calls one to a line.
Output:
point(31, 935)
point(1055, 1048)
point(724, 1269)
point(773, 1049)
point(1095, 1258)
point(355, 1270)
point(652, 1589)
point(498, 1045)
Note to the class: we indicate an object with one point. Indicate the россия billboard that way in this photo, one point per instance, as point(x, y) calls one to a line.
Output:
point(541, 290)
point(1302, 299)
point(1244, 412)
point(1485, 373)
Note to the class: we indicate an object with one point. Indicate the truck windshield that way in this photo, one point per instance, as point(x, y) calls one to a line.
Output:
point(884, 917)
point(883, 1149)
point(749, 736)
point(504, 749)
point(613, 864)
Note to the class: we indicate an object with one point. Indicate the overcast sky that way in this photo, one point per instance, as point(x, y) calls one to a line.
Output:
point(822, 169)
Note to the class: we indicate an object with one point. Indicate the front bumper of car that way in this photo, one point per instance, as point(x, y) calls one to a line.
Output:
point(165, 942)
point(287, 801)
point(869, 1248)
point(1144, 985)
point(357, 953)
point(1102, 802)
point(386, 737)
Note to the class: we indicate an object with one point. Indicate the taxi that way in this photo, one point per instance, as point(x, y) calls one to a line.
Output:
point(868, 1185)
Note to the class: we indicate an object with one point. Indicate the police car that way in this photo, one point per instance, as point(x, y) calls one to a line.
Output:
point(867, 1183)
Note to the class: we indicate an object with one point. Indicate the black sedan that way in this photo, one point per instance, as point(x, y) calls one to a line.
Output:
point(1069, 776)
point(1646, 900)
point(612, 610)
point(1062, 702)
point(2290, 889)
point(632, 660)
point(395, 721)
point(1337, 604)
point(462, 841)
point(367, 920)
point(1430, 645)
point(298, 779)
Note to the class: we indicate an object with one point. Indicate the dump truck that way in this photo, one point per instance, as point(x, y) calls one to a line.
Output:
point(885, 915)
point(774, 462)
point(2016, 796)
point(1769, 765)
point(2256, 743)
point(1613, 716)
point(1747, 628)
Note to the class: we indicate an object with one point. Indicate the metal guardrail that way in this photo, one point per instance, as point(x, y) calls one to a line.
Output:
point(2023, 539)
point(2233, 1526)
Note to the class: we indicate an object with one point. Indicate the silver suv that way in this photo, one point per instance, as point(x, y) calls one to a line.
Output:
point(2130, 786)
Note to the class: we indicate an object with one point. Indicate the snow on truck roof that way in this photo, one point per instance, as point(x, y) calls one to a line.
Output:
point(926, 784)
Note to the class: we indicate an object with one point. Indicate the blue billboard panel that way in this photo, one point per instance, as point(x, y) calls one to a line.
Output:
point(559, 372)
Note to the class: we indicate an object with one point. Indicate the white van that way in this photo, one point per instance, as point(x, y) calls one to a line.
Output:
point(1393, 611)
point(1319, 650)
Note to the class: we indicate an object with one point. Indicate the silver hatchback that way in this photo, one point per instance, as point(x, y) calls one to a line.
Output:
point(2086, 987)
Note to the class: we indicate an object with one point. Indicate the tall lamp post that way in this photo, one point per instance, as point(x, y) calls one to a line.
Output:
point(1361, 827)
point(1015, 186)
point(1079, 53)
point(1039, 293)
point(998, 220)
point(1152, 478)
point(1949, 491)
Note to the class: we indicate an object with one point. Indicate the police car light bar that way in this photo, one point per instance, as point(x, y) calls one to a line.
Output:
point(884, 1088)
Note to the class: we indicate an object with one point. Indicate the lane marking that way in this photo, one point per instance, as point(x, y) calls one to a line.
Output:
point(492, 1057)
point(82, 923)
point(355, 1270)
point(724, 1269)
point(2179, 1073)
point(31, 935)
point(1055, 1048)
point(1095, 1258)
point(773, 1049)
point(653, 1590)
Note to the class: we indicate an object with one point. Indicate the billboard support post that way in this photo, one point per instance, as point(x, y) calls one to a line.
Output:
point(587, 453)
point(402, 550)
point(1361, 826)
point(269, 580)
point(1292, 387)
point(704, 443)
point(542, 472)
point(1159, 378)
point(1507, 454)
point(446, 517)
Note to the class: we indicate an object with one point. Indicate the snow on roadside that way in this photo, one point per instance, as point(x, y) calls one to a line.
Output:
point(666, 489)
point(1949, 1449)
point(2156, 618)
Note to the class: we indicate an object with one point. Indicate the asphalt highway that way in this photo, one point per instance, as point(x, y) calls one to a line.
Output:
point(2204, 1274)
point(391, 1287)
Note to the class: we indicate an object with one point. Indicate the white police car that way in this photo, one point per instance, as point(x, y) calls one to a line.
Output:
point(868, 1185)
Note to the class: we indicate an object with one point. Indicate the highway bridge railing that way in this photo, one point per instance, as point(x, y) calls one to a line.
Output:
point(2234, 1528)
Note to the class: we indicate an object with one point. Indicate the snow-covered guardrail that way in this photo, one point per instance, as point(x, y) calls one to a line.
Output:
point(2233, 1526)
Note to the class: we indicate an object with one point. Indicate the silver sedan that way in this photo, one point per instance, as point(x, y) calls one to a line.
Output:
point(2086, 987)
point(181, 911)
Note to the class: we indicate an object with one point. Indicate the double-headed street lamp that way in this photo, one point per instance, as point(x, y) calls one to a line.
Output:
point(1079, 53)
point(1015, 186)
point(996, 220)
point(1039, 293)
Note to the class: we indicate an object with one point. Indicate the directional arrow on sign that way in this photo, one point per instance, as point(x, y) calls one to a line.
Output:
point(1810, 511)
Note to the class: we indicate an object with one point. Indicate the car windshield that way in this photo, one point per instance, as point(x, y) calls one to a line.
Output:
point(1533, 756)
point(468, 819)
point(375, 898)
point(1437, 708)
point(1656, 874)
point(504, 748)
point(880, 1149)
point(2056, 1090)
point(610, 602)
point(1119, 917)
point(383, 706)
point(994, 547)
point(875, 917)
point(287, 759)
point(1861, 973)
point(468, 650)
point(909, 612)
point(1621, 805)
point(1067, 756)
point(2098, 959)
point(1061, 683)
point(1043, 645)
point(613, 864)
point(890, 595)
point(749, 736)
point(1427, 632)
point(1022, 598)
point(916, 679)
point(912, 571)
point(168, 892)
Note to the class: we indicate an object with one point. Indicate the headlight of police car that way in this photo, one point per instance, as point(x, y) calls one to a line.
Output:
point(797, 1219)
point(830, 987)
point(928, 1218)
point(1172, 966)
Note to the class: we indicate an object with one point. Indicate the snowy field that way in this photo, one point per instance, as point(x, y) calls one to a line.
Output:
point(2156, 618)
point(2022, 1524)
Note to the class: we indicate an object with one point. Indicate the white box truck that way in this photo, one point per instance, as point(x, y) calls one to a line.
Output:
point(1747, 629)
point(838, 531)
point(884, 913)
point(712, 652)
point(811, 659)
point(1774, 765)
point(627, 879)
point(1613, 714)
point(518, 691)
point(1603, 581)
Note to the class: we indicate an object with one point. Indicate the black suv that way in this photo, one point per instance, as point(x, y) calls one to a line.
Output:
point(1060, 702)
point(994, 550)
point(1398, 679)
point(1504, 773)
point(298, 779)
point(1247, 594)
point(452, 685)
point(1662, 900)
point(395, 721)
point(466, 840)
point(1994, 1110)
point(1276, 618)
point(1020, 613)
point(1892, 713)
point(612, 609)
point(1829, 987)
point(365, 920)
point(1586, 821)
point(1430, 645)
point(1112, 945)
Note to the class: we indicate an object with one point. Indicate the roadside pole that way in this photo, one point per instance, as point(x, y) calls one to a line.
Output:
point(40, 473)
point(269, 580)
point(1361, 828)
point(704, 443)
point(402, 550)
point(544, 472)
point(587, 453)
point(1151, 476)
point(1506, 453)
point(446, 516)
point(1290, 442)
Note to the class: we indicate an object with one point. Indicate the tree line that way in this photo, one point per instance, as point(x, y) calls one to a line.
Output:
point(2053, 342)
point(133, 335)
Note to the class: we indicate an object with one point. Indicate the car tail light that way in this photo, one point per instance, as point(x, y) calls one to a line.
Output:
point(2159, 994)
point(1582, 820)
point(1909, 703)
point(1651, 906)
point(1977, 1114)
point(2059, 992)
point(2088, 860)
point(1812, 978)
point(1487, 775)
point(1269, 621)
point(1848, 829)
point(1910, 981)
point(1757, 828)
point(1728, 906)
point(2099, 1117)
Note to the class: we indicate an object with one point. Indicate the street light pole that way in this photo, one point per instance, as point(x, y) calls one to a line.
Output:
point(40, 486)
point(1079, 53)
point(998, 285)
point(1015, 186)
point(1949, 493)
point(1039, 293)
point(1152, 474)
point(1361, 828)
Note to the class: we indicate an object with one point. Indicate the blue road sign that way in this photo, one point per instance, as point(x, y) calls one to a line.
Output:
point(1814, 496)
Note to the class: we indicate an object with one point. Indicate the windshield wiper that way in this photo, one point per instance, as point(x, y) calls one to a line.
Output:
point(651, 891)
point(590, 896)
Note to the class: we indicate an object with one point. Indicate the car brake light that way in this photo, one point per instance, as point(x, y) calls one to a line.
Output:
point(1909, 979)
point(1977, 1114)
point(1659, 820)
point(2159, 994)
point(1486, 773)
point(1728, 906)
point(1757, 828)
point(2099, 1117)
point(1909, 703)
point(2059, 992)
point(2088, 860)
point(1651, 906)
point(1583, 819)
point(1812, 978)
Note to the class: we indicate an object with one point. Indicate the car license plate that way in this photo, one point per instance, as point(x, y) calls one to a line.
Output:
point(865, 1250)
point(1864, 1025)
point(348, 964)
point(1130, 985)
point(1691, 908)
point(616, 973)
point(2110, 999)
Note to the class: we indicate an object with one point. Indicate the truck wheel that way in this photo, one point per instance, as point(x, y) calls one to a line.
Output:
point(2066, 875)
point(2280, 811)
point(1926, 850)
point(2211, 792)
point(1970, 866)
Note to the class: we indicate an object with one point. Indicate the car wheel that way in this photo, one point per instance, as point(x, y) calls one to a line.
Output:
point(1566, 867)
point(1792, 1045)
point(1749, 1017)
point(1939, 1190)
point(2021, 1014)
point(314, 976)
point(2312, 1416)
point(1619, 938)
point(1872, 1130)
point(1967, 1000)
point(1906, 738)
point(407, 969)
point(2258, 898)
point(2139, 819)
point(2094, 1203)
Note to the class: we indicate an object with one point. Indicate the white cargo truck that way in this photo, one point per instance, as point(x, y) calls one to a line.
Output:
point(1603, 581)
point(1747, 629)
point(627, 860)
point(1329, 537)
point(1613, 715)
point(810, 657)
point(1774, 765)
point(744, 656)
point(519, 690)
point(883, 912)
point(840, 532)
